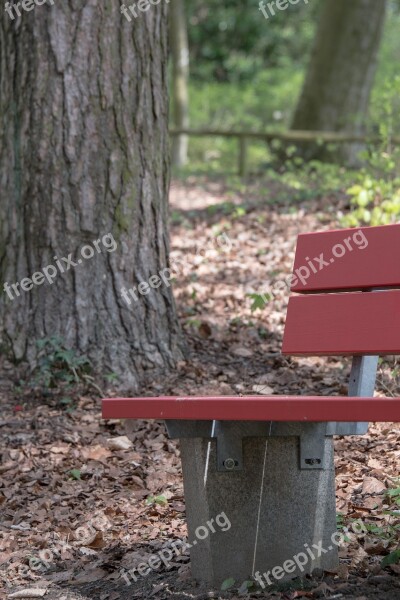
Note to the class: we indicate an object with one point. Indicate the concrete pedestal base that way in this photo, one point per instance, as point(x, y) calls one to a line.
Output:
point(296, 516)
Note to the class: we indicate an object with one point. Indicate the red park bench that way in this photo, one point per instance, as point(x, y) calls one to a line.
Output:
point(267, 461)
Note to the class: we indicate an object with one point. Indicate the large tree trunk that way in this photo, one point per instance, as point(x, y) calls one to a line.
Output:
point(336, 92)
point(180, 80)
point(84, 153)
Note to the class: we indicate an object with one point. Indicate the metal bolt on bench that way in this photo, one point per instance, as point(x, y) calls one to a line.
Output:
point(267, 462)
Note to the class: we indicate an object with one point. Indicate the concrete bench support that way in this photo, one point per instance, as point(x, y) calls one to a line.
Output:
point(275, 508)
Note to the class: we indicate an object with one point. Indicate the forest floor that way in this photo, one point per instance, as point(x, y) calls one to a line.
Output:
point(83, 499)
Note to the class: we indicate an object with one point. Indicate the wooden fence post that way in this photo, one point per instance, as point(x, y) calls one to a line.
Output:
point(242, 156)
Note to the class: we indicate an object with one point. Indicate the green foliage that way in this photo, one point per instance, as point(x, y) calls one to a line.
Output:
point(391, 559)
point(75, 474)
point(227, 208)
point(388, 532)
point(377, 202)
point(228, 583)
point(394, 495)
point(314, 176)
point(246, 72)
point(193, 323)
point(391, 530)
point(388, 63)
point(232, 41)
point(259, 301)
point(68, 404)
point(111, 377)
point(340, 524)
point(239, 322)
point(376, 195)
point(59, 365)
point(240, 106)
point(161, 500)
point(245, 587)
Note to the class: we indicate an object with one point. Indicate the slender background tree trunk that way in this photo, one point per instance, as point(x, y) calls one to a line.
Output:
point(337, 89)
point(180, 79)
point(84, 153)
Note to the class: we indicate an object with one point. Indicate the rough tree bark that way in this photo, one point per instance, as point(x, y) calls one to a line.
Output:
point(84, 153)
point(180, 79)
point(336, 92)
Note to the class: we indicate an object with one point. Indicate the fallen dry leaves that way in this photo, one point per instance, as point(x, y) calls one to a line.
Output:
point(29, 593)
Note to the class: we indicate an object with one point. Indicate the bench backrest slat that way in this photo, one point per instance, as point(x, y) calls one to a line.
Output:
point(348, 259)
point(343, 324)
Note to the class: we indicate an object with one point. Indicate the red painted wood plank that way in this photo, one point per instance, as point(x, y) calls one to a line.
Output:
point(347, 259)
point(343, 324)
point(255, 408)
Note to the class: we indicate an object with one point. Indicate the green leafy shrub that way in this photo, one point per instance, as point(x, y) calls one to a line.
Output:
point(59, 365)
point(375, 197)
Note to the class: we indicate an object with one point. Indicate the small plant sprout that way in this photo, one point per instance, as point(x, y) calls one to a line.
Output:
point(259, 301)
point(161, 500)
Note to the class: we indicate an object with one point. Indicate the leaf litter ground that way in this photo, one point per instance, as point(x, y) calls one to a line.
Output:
point(83, 499)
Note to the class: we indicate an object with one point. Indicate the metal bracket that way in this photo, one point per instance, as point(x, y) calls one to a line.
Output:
point(312, 446)
point(229, 436)
point(229, 446)
point(362, 385)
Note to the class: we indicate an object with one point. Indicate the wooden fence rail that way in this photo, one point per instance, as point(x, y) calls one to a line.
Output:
point(325, 137)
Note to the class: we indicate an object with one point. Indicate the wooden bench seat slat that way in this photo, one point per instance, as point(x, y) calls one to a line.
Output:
point(370, 259)
point(343, 324)
point(255, 408)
